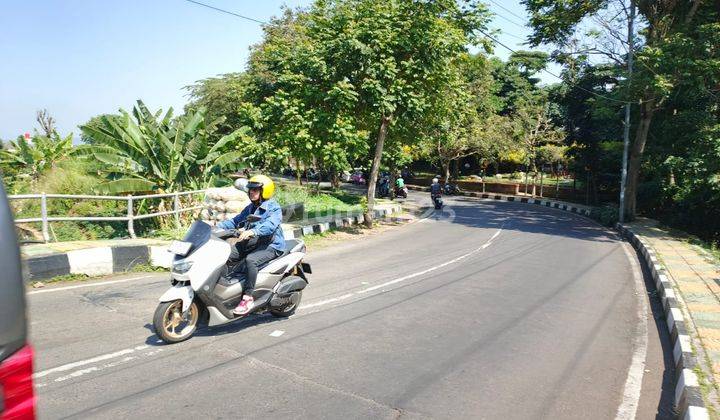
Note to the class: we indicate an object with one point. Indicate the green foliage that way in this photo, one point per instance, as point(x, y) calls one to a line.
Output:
point(72, 176)
point(607, 215)
point(147, 152)
point(28, 160)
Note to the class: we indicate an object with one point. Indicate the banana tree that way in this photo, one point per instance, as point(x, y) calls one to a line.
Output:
point(30, 158)
point(144, 152)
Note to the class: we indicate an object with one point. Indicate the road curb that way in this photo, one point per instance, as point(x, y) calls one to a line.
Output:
point(106, 260)
point(688, 396)
point(562, 205)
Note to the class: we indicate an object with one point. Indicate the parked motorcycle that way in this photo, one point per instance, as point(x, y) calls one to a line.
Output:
point(205, 291)
point(383, 187)
point(357, 178)
point(451, 189)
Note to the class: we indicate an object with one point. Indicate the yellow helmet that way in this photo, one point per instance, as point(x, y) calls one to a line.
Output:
point(266, 185)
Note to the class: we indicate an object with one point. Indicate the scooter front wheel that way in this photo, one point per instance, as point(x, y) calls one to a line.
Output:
point(170, 324)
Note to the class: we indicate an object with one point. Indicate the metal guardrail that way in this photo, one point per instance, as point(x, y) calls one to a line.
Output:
point(130, 217)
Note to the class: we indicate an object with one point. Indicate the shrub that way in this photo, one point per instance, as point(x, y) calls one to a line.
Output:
point(607, 214)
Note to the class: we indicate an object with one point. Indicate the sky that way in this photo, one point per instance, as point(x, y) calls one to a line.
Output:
point(81, 58)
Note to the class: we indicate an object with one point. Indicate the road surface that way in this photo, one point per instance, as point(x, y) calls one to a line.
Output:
point(488, 309)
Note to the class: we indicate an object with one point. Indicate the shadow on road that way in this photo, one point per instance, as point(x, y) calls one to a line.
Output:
point(522, 217)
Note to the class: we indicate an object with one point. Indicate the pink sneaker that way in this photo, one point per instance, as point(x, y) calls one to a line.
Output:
point(245, 305)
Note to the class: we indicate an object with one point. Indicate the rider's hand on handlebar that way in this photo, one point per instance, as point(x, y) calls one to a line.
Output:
point(246, 234)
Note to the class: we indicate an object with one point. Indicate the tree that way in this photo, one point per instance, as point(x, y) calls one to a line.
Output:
point(225, 96)
point(658, 74)
point(47, 123)
point(533, 128)
point(394, 56)
point(591, 122)
point(96, 122)
point(146, 152)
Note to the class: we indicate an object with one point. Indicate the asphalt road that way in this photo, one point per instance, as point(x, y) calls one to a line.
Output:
point(487, 310)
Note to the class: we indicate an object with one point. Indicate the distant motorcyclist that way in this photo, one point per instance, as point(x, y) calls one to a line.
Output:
point(400, 190)
point(436, 193)
point(263, 242)
point(435, 188)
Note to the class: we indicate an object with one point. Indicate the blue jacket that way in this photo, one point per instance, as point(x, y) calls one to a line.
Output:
point(269, 224)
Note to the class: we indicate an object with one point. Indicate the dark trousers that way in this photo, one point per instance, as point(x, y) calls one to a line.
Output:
point(255, 252)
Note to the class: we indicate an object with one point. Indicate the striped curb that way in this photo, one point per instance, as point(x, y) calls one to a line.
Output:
point(106, 260)
point(688, 397)
point(562, 205)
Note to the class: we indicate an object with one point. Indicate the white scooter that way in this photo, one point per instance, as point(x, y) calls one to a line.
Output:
point(204, 292)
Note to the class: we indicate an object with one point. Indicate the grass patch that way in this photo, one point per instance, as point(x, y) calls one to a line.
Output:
point(318, 204)
point(68, 277)
point(146, 268)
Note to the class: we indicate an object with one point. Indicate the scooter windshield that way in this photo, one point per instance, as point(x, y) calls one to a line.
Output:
point(197, 235)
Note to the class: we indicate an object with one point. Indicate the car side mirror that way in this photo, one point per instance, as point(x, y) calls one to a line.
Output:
point(241, 184)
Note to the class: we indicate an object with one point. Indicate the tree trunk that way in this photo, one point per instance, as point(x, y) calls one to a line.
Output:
point(647, 109)
point(382, 132)
point(297, 171)
point(446, 171)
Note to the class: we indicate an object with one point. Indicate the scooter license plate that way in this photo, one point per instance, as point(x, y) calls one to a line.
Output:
point(179, 247)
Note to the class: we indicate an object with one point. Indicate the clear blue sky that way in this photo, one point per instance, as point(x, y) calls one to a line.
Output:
point(80, 58)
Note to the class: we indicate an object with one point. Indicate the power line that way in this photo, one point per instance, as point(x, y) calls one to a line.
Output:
point(553, 74)
point(226, 12)
point(481, 31)
point(510, 20)
point(511, 35)
point(507, 10)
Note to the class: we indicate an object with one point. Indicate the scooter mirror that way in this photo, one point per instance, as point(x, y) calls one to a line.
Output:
point(241, 184)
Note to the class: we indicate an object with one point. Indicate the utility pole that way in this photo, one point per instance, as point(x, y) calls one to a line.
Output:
point(626, 133)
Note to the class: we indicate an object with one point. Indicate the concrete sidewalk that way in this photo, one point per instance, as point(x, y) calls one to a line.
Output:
point(695, 275)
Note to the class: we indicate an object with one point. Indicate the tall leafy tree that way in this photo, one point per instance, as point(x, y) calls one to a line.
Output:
point(394, 56)
point(660, 74)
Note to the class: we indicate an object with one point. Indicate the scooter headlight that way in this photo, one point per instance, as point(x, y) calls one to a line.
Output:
point(181, 266)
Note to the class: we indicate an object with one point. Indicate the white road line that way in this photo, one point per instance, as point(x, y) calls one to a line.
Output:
point(633, 383)
point(404, 278)
point(102, 283)
point(69, 366)
point(325, 302)
point(277, 333)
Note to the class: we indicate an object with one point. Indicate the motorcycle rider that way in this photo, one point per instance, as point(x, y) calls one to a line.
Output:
point(400, 185)
point(435, 189)
point(400, 182)
point(263, 242)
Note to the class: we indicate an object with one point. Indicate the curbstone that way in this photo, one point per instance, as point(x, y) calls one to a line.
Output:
point(91, 261)
point(127, 257)
point(46, 266)
point(688, 397)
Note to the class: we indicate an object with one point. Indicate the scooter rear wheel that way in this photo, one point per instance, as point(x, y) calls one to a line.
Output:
point(290, 308)
point(171, 326)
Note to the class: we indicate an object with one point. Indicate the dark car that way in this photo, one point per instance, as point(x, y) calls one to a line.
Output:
point(17, 400)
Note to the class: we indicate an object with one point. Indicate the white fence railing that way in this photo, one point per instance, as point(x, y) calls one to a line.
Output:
point(130, 217)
